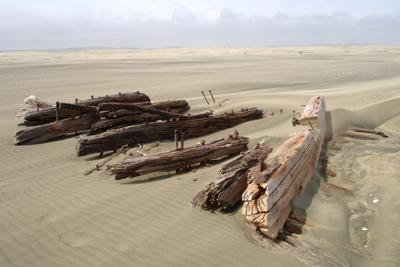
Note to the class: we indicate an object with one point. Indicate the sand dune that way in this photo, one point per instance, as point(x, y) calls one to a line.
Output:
point(52, 215)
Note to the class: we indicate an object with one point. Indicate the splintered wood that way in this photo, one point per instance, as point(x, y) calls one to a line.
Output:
point(180, 159)
point(225, 193)
point(267, 199)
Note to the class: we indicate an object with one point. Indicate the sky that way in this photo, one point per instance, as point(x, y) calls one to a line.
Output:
point(55, 24)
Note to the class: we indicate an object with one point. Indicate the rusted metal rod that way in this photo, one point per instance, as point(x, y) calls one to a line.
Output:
point(211, 95)
point(57, 108)
point(204, 95)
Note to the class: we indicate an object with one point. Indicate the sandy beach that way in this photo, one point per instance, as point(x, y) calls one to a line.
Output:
point(52, 215)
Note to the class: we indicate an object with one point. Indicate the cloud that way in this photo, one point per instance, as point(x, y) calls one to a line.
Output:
point(217, 27)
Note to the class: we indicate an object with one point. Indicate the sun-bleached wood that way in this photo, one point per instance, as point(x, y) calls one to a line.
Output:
point(267, 200)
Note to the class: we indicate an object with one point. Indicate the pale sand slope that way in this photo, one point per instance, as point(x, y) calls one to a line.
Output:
point(51, 215)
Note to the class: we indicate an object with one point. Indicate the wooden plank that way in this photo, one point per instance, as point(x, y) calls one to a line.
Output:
point(179, 159)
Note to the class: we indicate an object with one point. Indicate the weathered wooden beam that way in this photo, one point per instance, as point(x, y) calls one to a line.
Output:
point(267, 200)
point(135, 97)
point(49, 131)
point(105, 124)
point(131, 135)
point(47, 115)
point(225, 192)
point(192, 156)
point(143, 108)
point(161, 105)
point(134, 116)
point(80, 109)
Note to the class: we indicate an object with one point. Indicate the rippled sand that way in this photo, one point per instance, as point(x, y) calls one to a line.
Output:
point(52, 215)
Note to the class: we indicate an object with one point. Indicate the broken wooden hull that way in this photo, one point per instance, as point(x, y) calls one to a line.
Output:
point(179, 159)
point(131, 135)
point(267, 200)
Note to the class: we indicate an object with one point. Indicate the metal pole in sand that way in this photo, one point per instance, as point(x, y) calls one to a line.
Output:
point(202, 92)
point(211, 95)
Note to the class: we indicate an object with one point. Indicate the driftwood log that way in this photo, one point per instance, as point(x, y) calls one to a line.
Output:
point(267, 200)
point(225, 192)
point(132, 135)
point(180, 159)
point(49, 131)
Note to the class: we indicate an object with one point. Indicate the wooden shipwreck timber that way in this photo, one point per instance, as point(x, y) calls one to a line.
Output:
point(75, 118)
point(183, 158)
point(190, 126)
point(116, 114)
point(264, 182)
point(46, 113)
point(267, 199)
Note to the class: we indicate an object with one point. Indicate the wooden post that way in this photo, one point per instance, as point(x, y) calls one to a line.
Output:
point(211, 95)
point(202, 92)
point(57, 109)
point(182, 139)
point(176, 139)
point(76, 100)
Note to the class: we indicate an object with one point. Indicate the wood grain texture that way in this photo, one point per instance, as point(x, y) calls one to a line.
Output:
point(179, 159)
point(225, 192)
point(267, 200)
